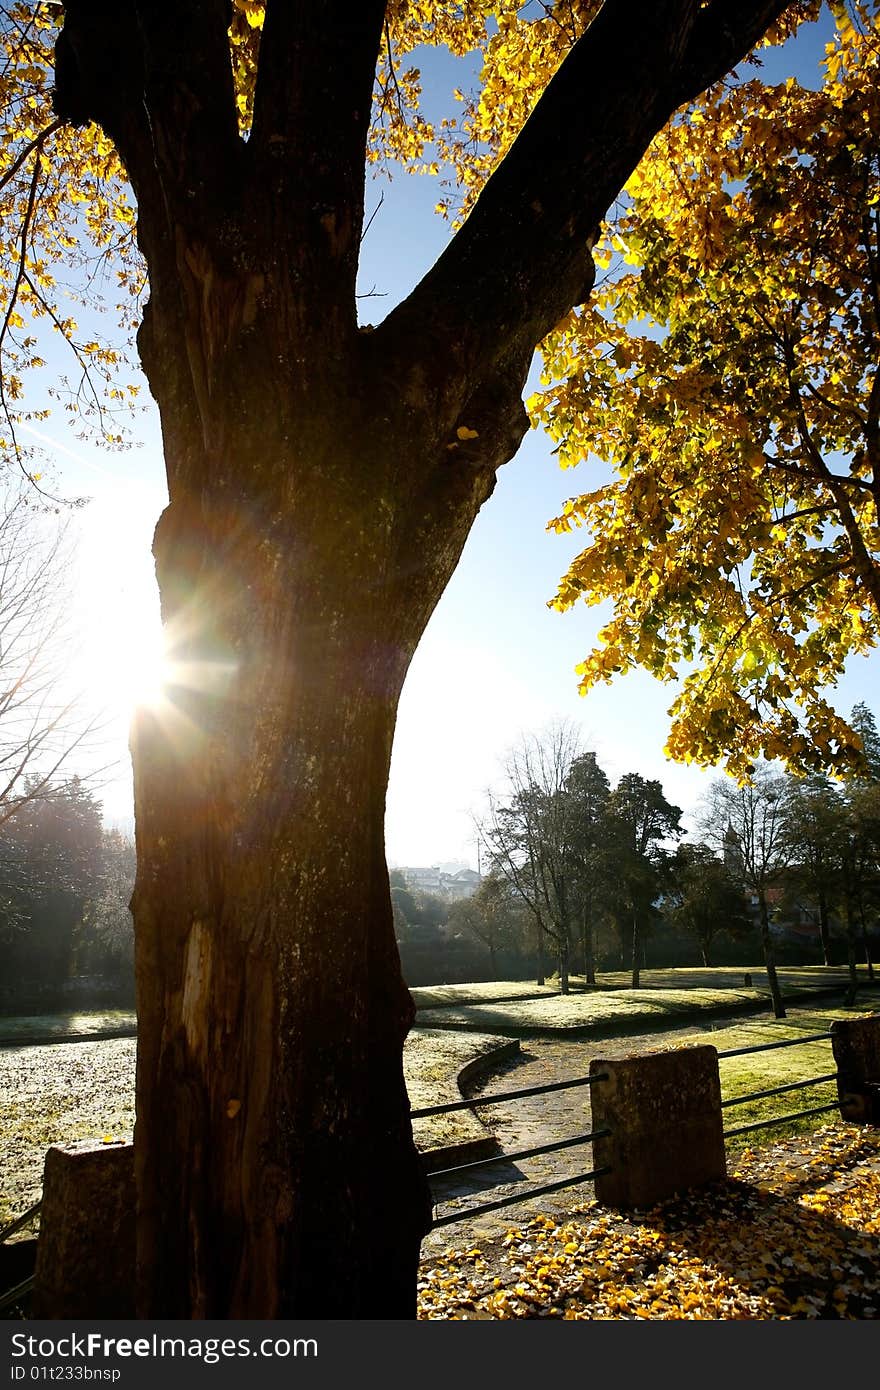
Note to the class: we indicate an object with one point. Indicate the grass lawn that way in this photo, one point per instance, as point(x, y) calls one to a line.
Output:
point(25, 1027)
point(492, 992)
point(667, 998)
point(599, 1013)
point(760, 1071)
point(792, 978)
point(433, 1059)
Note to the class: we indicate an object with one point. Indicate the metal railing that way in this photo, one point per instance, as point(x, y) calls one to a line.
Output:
point(20, 1221)
point(16, 1294)
point(22, 1289)
point(481, 1163)
point(778, 1090)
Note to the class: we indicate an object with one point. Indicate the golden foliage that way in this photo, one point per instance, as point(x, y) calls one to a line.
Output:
point(726, 372)
point(67, 239)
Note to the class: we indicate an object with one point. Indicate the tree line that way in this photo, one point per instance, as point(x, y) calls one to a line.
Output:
point(574, 861)
point(65, 885)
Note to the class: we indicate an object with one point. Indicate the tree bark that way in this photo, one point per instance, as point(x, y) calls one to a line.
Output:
point(276, 1171)
point(636, 951)
point(852, 969)
point(588, 947)
point(824, 930)
point(769, 958)
point(866, 941)
point(563, 959)
point(539, 953)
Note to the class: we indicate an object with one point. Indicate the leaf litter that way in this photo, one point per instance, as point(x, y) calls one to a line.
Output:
point(793, 1233)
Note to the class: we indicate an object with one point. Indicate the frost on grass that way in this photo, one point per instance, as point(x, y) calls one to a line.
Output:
point(52, 1095)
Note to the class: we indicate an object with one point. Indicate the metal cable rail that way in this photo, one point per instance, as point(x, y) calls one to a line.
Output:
point(520, 1153)
point(778, 1090)
point(519, 1197)
point(20, 1221)
point(768, 1047)
point(13, 1295)
point(780, 1119)
point(495, 1099)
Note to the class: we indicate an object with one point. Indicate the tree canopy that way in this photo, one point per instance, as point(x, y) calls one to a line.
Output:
point(727, 371)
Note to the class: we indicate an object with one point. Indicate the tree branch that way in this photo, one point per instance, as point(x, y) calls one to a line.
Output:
point(312, 107)
point(158, 80)
point(36, 144)
point(523, 259)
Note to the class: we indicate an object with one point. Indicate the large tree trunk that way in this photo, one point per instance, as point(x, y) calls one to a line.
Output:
point(272, 1013)
point(275, 1166)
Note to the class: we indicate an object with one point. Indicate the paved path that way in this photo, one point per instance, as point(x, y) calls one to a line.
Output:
point(527, 1123)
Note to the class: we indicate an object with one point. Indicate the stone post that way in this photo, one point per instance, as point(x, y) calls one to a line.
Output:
point(855, 1043)
point(86, 1246)
point(664, 1113)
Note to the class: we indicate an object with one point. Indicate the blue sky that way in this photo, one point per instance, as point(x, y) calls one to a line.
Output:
point(495, 662)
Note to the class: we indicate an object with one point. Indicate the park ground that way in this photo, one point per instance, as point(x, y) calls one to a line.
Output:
point(793, 1233)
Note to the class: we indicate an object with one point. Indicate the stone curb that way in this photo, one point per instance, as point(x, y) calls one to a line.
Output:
point(470, 1150)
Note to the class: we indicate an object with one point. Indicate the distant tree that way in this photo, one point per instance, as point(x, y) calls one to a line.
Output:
point(814, 830)
point(493, 914)
point(432, 910)
point(529, 836)
point(756, 813)
point(41, 721)
point(405, 911)
point(865, 725)
point(706, 901)
point(640, 823)
point(107, 933)
point(860, 869)
point(53, 845)
point(587, 791)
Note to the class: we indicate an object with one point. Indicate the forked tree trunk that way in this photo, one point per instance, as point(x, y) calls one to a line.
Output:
point(322, 483)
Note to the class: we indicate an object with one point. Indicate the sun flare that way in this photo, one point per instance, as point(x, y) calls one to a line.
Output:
point(125, 666)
